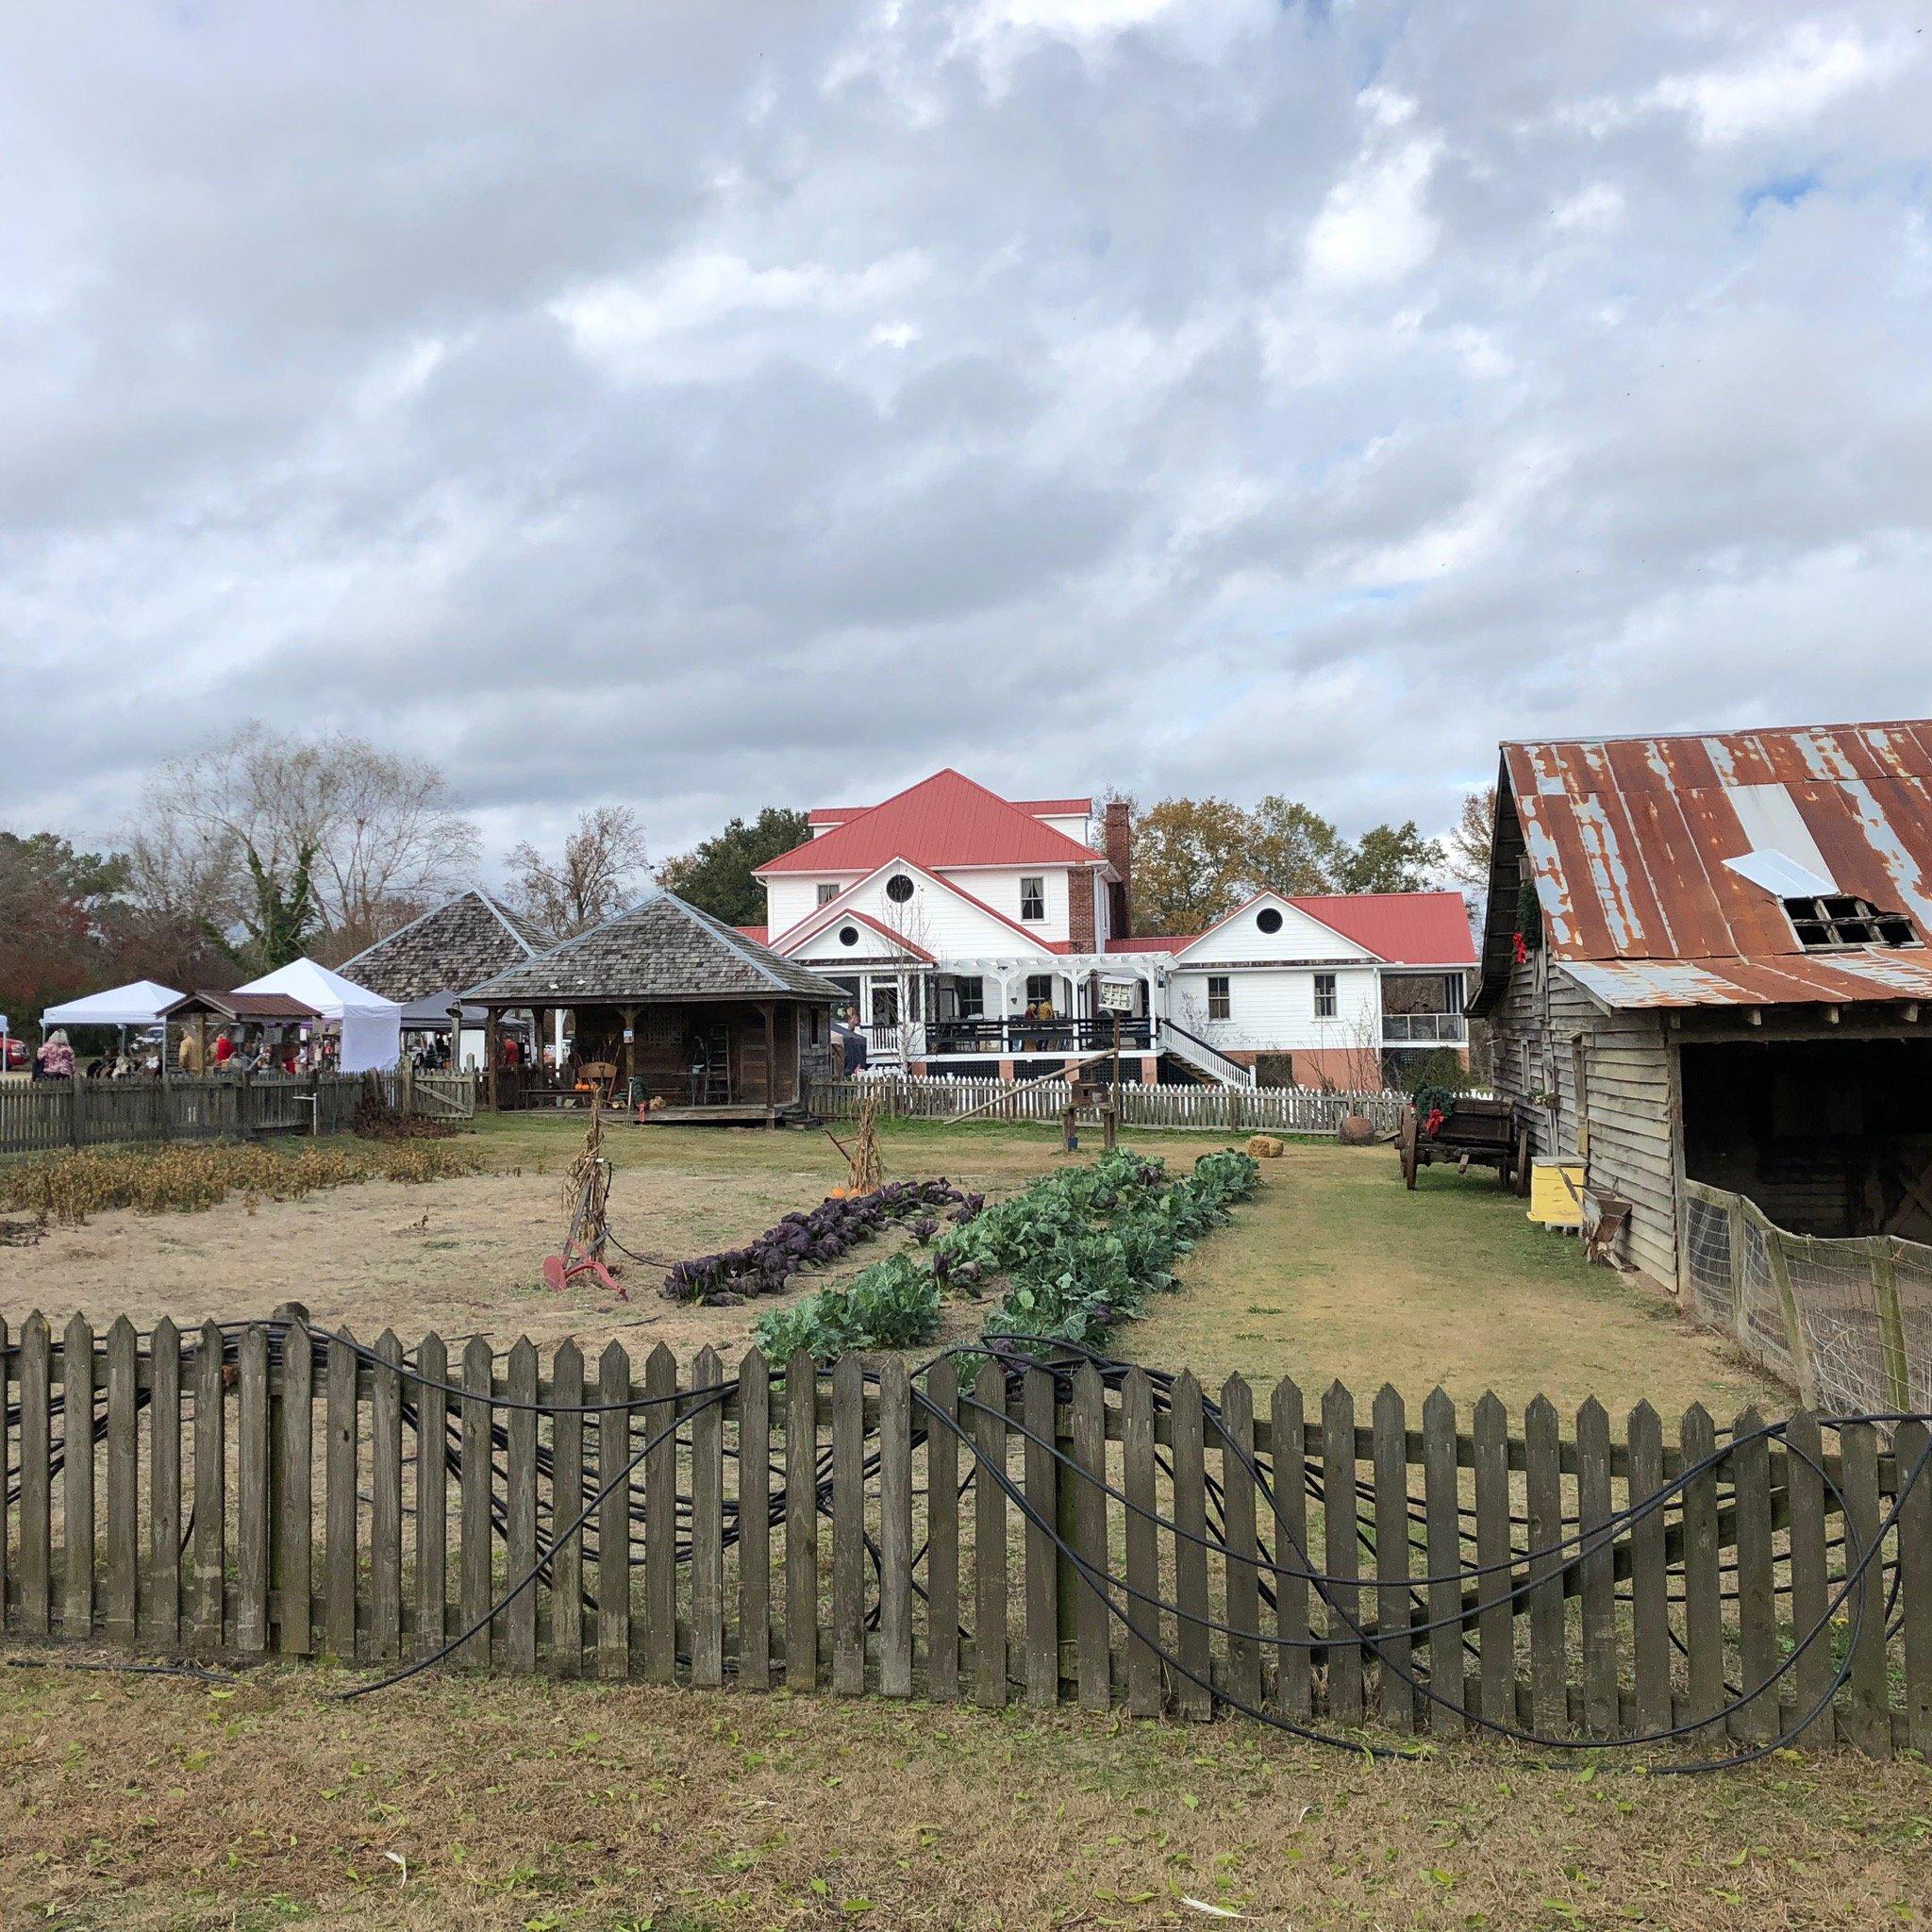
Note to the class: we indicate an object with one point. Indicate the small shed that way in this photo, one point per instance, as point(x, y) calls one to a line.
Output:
point(685, 1008)
point(1706, 960)
point(192, 1012)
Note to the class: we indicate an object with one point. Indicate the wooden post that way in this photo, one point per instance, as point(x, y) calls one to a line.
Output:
point(1803, 1366)
point(771, 1063)
point(630, 1044)
point(1898, 1392)
point(493, 1021)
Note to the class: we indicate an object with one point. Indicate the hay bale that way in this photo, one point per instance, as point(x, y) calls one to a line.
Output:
point(1264, 1147)
point(1356, 1130)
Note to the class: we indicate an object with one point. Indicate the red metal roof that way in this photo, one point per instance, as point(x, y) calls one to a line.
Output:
point(942, 821)
point(760, 933)
point(1042, 807)
point(1399, 928)
point(1627, 840)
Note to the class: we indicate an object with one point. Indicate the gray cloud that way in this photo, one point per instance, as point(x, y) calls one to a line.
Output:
point(788, 399)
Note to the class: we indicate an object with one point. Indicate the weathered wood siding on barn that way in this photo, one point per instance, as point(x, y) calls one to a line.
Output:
point(1631, 1094)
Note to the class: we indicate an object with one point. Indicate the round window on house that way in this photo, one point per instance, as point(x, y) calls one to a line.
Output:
point(848, 935)
point(898, 889)
point(1267, 919)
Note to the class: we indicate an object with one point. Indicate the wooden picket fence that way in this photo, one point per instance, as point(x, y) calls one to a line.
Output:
point(1120, 1539)
point(1213, 1109)
point(45, 1116)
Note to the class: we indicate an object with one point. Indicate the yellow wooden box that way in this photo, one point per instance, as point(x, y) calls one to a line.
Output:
point(1556, 1192)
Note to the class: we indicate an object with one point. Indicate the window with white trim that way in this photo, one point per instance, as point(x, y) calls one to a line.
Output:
point(1220, 996)
point(1325, 996)
point(827, 892)
point(1033, 900)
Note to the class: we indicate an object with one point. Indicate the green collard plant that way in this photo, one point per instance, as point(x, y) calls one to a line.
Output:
point(1068, 1257)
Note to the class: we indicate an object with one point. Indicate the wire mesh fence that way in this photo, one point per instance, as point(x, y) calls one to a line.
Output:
point(1847, 1323)
point(990, 1527)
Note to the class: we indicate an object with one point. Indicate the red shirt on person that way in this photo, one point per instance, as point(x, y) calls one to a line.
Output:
point(223, 1050)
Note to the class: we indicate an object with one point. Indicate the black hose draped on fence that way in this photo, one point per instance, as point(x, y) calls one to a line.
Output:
point(1170, 1549)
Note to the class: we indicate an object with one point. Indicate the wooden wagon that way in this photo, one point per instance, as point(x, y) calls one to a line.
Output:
point(1471, 1133)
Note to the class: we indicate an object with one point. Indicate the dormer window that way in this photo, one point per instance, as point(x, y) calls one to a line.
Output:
point(1828, 924)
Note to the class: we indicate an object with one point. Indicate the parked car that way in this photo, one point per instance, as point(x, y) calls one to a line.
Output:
point(18, 1055)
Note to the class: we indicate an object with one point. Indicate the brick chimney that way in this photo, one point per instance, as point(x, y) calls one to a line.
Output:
point(1080, 933)
point(1117, 842)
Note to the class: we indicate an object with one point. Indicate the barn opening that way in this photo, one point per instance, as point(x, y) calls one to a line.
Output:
point(1829, 1136)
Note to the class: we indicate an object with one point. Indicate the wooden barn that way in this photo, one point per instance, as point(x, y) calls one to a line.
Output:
point(1705, 957)
point(681, 1008)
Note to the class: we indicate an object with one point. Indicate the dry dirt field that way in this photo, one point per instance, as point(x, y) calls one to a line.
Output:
point(1334, 1271)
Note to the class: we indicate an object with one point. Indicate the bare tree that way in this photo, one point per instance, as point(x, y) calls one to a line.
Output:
point(1469, 841)
point(600, 866)
point(378, 829)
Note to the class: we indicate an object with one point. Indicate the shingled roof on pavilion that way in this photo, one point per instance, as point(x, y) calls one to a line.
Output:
point(466, 940)
point(659, 949)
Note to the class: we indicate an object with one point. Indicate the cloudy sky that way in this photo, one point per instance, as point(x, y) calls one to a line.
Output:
point(705, 406)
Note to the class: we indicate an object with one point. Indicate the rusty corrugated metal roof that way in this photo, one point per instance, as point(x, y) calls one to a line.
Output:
point(1627, 839)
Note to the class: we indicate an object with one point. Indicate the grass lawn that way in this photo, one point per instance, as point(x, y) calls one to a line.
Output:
point(163, 1802)
point(157, 1803)
point(1334, 1271)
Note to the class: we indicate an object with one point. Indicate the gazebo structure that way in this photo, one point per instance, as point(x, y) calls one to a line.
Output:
point(426, 964)
point(687, 1012)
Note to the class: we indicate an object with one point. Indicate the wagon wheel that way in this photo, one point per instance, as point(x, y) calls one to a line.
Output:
point(1406, 1147)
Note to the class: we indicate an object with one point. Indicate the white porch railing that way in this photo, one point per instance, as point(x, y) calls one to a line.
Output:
point(1210, 1110)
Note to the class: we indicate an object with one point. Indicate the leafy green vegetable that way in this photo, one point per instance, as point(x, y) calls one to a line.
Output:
point(1076, 1252)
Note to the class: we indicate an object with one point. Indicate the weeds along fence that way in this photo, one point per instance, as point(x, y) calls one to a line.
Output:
point(1848, 1323)
point(1071, 1531)
point(1219, 1110)
point(44, 1116)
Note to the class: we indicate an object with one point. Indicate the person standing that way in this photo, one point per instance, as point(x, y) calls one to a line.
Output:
point(55, 1060)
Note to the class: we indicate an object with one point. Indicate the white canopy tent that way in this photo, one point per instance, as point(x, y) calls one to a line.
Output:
point(140, 1003)
point(372, 1026)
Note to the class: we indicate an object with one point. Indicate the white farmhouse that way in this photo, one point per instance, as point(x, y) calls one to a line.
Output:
point(973, 933)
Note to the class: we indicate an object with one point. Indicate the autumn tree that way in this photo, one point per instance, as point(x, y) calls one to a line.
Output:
point(1291, 848)
point(716, 874)
point(602, 863)
point(1197, 859)
point(1390, 858)
point(1191, 863)
point(1469, 841)
point(59, 910)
